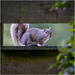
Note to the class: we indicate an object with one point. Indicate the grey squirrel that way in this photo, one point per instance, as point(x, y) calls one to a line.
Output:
point(23, 36)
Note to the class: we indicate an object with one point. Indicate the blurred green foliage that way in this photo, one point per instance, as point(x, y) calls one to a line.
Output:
point(60, 33)
point(66, 54)
point(66, 57)
point(73, 21)
point(61, 4)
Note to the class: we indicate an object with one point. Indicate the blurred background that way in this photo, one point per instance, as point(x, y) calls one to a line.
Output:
point(60, 33)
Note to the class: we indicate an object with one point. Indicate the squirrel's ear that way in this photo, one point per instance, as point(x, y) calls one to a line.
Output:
point(50, 28)
point(44, 29)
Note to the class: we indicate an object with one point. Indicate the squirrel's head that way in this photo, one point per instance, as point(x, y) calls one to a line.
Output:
point(47, 32)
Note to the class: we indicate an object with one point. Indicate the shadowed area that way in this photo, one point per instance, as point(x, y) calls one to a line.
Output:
point(28, 62)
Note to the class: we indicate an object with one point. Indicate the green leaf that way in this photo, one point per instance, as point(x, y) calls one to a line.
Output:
point(73, 54)
point(72, 62)
point(58, 3)
point(58, 57)
point(60, 73)
point(73, 21)
point(65, 4)
point(53, 65)
point(71, 41)
point(71, 30)
point(65, 56)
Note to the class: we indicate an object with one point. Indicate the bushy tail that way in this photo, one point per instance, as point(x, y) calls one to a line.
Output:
point(17, 30)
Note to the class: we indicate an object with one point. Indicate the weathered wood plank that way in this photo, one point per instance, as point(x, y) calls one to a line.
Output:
point(34, 12)
point(28, 62)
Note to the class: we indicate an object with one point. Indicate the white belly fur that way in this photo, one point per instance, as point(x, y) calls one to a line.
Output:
point(33, 42)
point(45, 39)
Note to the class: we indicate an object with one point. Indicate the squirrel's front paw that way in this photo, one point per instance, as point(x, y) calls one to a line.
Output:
point(31, 45)
point(45, 45)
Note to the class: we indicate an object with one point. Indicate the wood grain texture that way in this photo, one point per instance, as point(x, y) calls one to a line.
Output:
point(34, 12)
point(28, 62)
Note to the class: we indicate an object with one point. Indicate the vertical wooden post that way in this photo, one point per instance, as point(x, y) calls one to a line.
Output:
point(1, 33)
